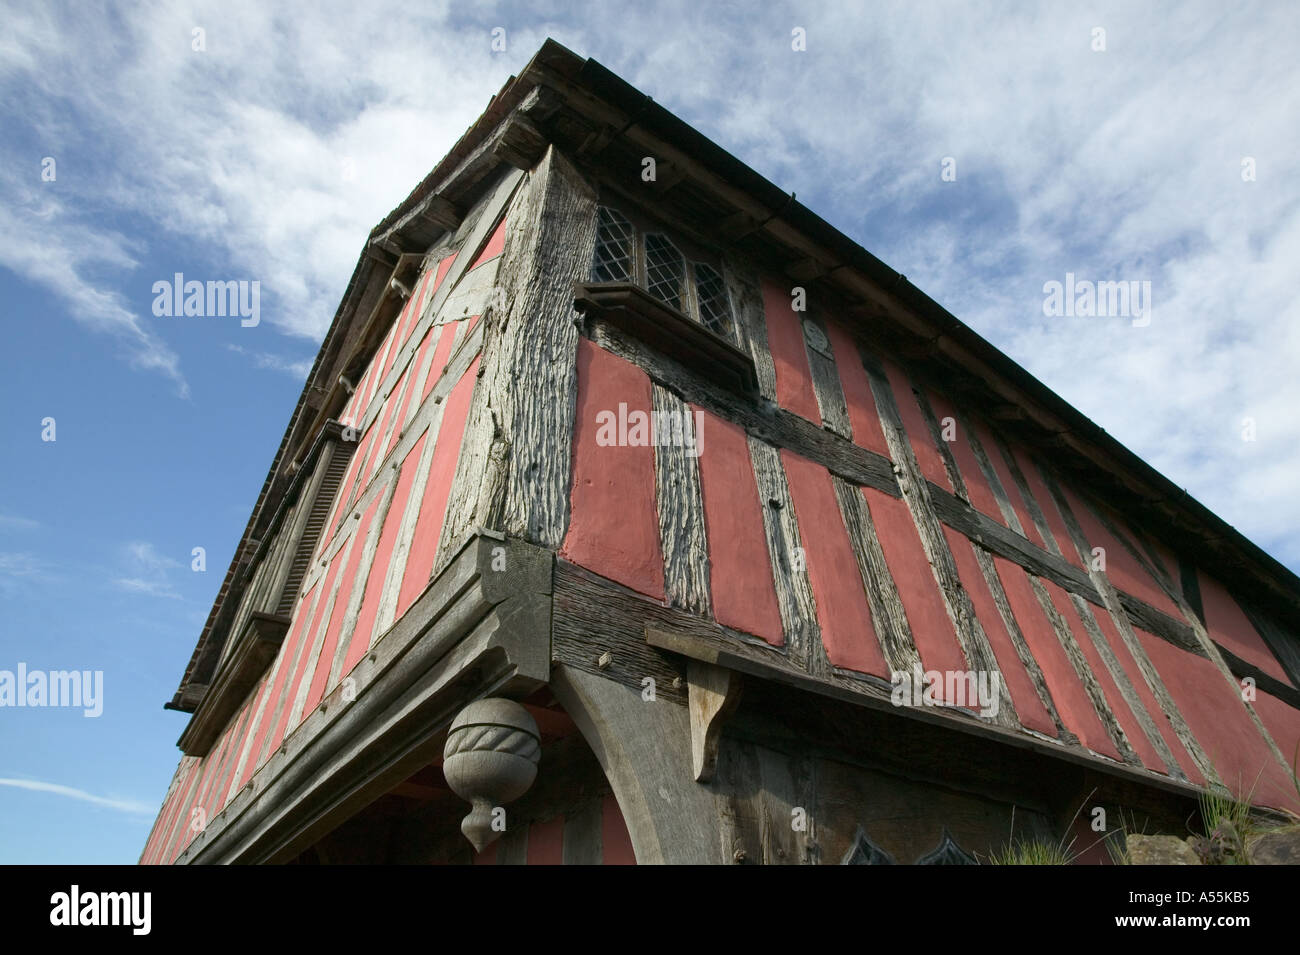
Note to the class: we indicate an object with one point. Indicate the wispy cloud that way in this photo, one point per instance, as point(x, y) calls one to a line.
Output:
point(15, 522)
point(149, 571)
point(1124, 163)
point(297, 370)
point(48, 244)
point(132, 806)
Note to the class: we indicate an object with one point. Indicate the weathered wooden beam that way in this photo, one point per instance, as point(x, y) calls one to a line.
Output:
point(771, 424)
point(680, 500)
point(1120, 617)
point(520, 143)
point(713, 693)
point(475, 631)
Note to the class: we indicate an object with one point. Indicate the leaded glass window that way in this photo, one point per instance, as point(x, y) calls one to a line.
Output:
point(615, 248)
point(711, 293)
point(664, 270)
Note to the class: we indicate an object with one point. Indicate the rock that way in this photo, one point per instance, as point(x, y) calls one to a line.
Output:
point(1223, 846)
point(1160, 850)
point(1278, 847)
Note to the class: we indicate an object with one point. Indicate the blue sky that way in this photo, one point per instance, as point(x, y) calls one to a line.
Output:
point(269, 154)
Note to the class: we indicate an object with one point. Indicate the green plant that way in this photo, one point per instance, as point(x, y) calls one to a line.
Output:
point(1033, 852)
point(1229, 825)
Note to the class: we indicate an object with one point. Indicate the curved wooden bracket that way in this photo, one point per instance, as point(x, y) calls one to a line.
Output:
point(713, 695)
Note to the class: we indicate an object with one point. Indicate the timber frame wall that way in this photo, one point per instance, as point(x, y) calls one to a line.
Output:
point(879, 489)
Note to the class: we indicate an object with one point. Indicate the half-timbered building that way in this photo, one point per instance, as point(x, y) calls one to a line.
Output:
point(633, 513)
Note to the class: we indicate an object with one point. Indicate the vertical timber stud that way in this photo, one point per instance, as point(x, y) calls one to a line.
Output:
point(681, 504)
point(892, 629)
point(789, 570)
point(1064, 635)
point(990, 573)
point(529, 379)
point(971, 637)
point(1198, 627)
point(747, 301)
point(1119, 616)
point(1099, 641)
point(825, 377)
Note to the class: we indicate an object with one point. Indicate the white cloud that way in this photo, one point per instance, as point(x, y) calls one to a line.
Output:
point(149, 571)
point(132, 806)
point(1122, 164)
point(297, 370)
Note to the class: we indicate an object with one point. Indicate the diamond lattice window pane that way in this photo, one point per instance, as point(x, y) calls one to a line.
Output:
point(665, 270)
point(715, 307)
point(612, 261)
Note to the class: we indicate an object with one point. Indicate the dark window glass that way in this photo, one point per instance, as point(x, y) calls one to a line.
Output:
point(715, 308)
point(614, 248)
point(665, 270)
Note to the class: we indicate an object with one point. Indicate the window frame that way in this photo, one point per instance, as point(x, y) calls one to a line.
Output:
point(691, 253)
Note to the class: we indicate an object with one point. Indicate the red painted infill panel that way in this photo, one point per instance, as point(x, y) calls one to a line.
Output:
point(616, 843)
point(1024, 696)
point(202, 797)
point(377, 447)
point(383, 554)
point(171, 806)
point(977, 485)
point(1147, 698)
point(546, 843)
point(794, 389)
point(932, 629)
point(352, 485)
point(221, 782)
point(1122, 567)
point(1009, 487)
point(181, 821)
point(864, 418)
point(1216, 715)
point(614, 521)
point(842, 609)
point(1071, 699)
point(495, 246)
point(1229, 626)
point(446, 335)
point(401, 328)
point(1047, 504)
point(347, 582)
point(405, 390)
point(444, 266)
point(433, 504)
point(288, 652)
point(1166, 561)
point(182, 834)
point(744, 596)
point(918, 431)
point(305, 663)
point(217, 800)
point(1137, 737)
point(1283, 723)
point(149, 855)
